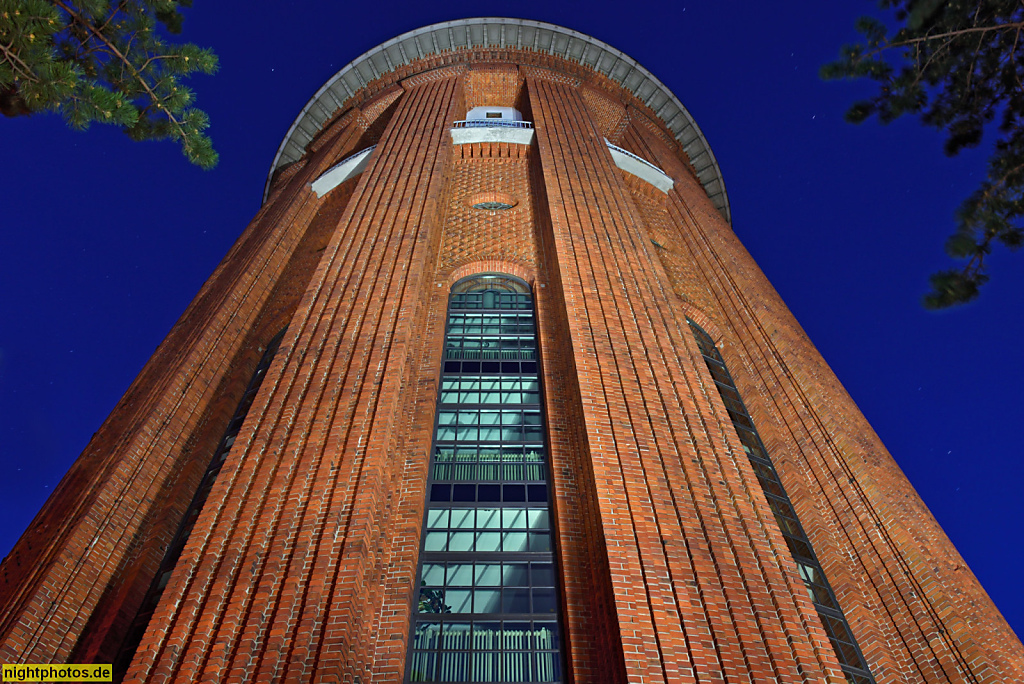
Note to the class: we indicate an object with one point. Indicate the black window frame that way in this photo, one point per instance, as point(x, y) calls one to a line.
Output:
point(526, 602)
point(823, 598)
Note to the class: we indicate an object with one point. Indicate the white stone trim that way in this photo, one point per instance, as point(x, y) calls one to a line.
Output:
point(643, 170)
point(489, 134)
point(342, 171)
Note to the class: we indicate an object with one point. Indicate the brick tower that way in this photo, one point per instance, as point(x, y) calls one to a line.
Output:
point(489, 391)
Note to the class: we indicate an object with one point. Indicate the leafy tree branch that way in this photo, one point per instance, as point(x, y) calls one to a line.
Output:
point(955, 65)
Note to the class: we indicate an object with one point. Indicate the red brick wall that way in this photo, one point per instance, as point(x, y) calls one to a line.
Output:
point(84, 564)
point(282, 572)
point(694, 556)
point(488, 85)
point(912, 603)
point(303, 563)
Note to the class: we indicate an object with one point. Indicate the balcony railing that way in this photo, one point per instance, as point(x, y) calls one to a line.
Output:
point(492, 123)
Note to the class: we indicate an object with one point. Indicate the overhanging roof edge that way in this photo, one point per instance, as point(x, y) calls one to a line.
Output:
point(305, 116)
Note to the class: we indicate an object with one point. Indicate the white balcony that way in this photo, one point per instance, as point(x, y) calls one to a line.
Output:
point(492, 130)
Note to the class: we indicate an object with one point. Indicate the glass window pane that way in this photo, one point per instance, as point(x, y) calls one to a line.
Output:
point(435, 541)
point(488, 541)
point(513, 542)
point(488, 518)
point(488, 575)
point(542, 574)
point(515, 601)
point(514, 493)
point(540, 541)
point(460, 574)
point(538, 519)
point(544, 601)
point(461, 541)
point(488, 494)
point(433, 574)
point(462, 518)
point(459, 600)
point(514, 575)
point(538, 493)
point(437, 518)
point(432, 601)
point(513, 518)
point(487, 601)
point(463, 492)
point(798, 548)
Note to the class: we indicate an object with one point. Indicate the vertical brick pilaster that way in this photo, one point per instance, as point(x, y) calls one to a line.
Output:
point(904, 588)
point(690, 543)
point(84, 559)
point(278, 577)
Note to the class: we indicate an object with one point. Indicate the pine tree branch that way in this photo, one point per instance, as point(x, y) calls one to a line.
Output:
point(155, 58)
point(124, 60)
point(1013, 57)
point(115, 8)
point(11, 56)
point(922, 69)
point(974, 58)
point(949, 34)
point(977, 263)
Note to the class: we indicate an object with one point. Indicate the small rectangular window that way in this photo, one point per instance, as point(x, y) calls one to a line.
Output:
point(493, 115)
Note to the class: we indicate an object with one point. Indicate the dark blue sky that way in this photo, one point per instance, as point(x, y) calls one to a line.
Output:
point(103, 242)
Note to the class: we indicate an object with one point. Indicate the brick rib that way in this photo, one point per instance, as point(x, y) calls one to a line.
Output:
point(593, 636)
point(590, 340)
point(242, 476)
point(790, 604)
point(672, 325)
point(206, 333)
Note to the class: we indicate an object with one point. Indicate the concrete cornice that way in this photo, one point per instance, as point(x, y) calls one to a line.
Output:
point(511, 33)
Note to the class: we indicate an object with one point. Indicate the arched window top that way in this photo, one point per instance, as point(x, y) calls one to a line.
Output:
point(705, 342)
point(491, 291)
point(491, 281)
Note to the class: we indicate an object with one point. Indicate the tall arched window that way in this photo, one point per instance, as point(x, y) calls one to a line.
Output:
point(487, 608)
point(821, 594)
